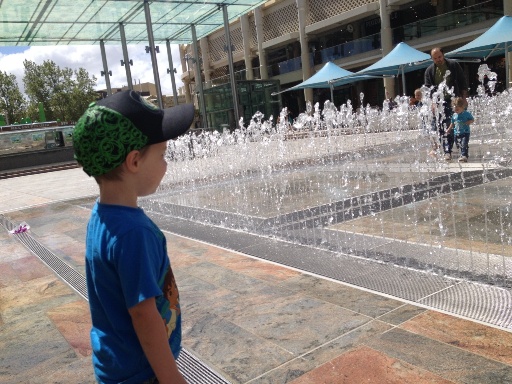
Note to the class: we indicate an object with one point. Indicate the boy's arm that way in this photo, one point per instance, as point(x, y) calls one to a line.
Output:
point(469, 117)
point(152, 335)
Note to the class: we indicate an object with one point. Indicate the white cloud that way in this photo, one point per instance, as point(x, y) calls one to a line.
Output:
point(89, 58)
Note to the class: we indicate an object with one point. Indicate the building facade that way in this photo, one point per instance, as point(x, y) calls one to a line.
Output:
point(289, 40)
point(148, 91)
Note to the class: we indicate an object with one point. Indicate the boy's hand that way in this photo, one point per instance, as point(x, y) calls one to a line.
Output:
point(152, 335)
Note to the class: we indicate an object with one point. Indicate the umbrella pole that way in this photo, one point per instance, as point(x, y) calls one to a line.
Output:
point(403, 81)
point(332, 97)
point(507, 67)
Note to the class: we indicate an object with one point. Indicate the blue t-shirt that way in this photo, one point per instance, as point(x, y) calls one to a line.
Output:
point(126, 263)
point(459, 122)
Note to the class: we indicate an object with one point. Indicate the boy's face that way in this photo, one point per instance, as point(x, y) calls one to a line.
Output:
point(153, 167)
point(458, 109)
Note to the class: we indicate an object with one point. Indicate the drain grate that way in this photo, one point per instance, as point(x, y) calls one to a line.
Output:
point(193, 369)
point(475, 301)
point(73, 278)
point(195, 372)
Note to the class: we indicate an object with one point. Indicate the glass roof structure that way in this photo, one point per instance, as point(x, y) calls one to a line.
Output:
point(74, 22)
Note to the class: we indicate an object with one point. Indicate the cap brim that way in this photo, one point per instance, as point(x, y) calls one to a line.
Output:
point(177, 120)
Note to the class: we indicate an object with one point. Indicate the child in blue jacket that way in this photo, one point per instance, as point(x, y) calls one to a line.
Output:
point(460, 121)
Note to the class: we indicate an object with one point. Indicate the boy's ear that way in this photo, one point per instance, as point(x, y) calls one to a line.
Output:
point(132, 161)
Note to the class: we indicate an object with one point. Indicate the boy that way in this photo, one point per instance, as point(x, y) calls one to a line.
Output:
point(416, 100)
point(136, 323)
point(461, 119)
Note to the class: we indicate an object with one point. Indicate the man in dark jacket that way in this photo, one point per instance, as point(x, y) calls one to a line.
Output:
point(434, 75)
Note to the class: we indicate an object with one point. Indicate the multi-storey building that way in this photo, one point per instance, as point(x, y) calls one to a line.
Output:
point(148, 91)
point(289, 40)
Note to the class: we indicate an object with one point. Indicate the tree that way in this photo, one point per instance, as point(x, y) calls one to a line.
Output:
point(64, 93)
point(12, 103)
point(40, 82)
point(82, 94)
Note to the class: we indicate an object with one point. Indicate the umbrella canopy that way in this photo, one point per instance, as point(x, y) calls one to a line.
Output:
point(403, 58)
point(321, 79)
point(495, 41)
point(329, 71)
point(400, 60)
point(490, 43)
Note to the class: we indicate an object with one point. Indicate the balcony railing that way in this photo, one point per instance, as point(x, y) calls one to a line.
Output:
point(448, 21)
point(239, 75)
point(452, 20)
point(285, 67)
point(354, 47)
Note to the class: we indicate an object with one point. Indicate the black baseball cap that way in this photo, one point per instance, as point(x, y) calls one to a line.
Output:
point(113, 127)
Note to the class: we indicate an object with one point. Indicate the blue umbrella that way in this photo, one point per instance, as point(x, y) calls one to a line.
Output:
point(400, 60)
point(321, 79)
point(495, 41)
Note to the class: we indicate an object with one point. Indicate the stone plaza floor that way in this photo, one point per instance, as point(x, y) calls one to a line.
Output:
point(249, 320)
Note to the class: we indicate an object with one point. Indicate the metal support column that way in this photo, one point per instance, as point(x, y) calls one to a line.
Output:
point(230, 63)
point(126, 61)
point(247, 38)
point(302, 9)
point(186, 79)
point(171, 72)
point(199, 80)
point(386, 39)
point(205, 56)
point(151, 41)
point(258, 20)
point(105, 71)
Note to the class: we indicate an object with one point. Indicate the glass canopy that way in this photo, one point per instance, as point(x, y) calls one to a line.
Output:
point(73, 22)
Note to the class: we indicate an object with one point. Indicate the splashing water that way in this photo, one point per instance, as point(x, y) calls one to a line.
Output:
point(485, 72)
point(340, 171)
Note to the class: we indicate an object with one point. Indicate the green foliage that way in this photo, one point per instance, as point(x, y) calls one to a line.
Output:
point(32, 112)
point(12, 103)
point(64, 93)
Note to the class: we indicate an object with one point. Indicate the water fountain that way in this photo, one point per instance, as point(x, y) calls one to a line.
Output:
point(358, 184)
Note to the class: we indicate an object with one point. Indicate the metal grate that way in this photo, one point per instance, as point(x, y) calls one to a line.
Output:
point(480, 302)
point(195, 372)
point(73, 278)
point(217, 43)
point(193, 369)
point(321, 10)
point(280, 20)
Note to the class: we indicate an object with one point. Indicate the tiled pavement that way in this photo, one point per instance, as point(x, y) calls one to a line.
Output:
point(250, 320)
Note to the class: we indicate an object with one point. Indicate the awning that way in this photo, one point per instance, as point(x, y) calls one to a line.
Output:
point(496, 41)
point(400, 60)
point(488, 44)
point(329, 71)
point(65, 22)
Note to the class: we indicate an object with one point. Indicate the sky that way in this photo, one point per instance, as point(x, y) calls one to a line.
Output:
point(89, 58)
